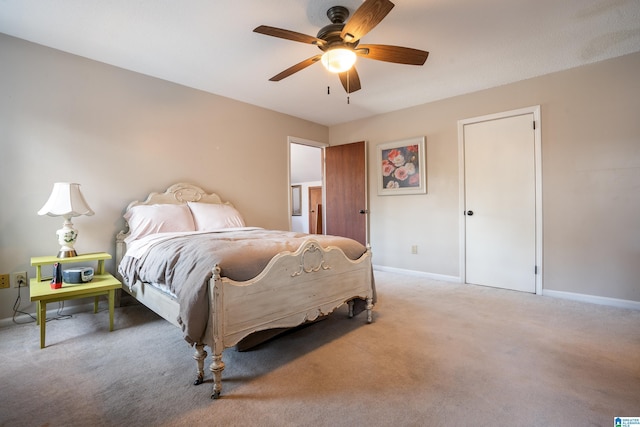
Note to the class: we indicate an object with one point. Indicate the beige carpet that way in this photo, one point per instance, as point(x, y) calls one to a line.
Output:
point(437, 354)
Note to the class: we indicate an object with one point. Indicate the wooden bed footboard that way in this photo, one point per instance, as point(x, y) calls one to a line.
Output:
point(294, 288)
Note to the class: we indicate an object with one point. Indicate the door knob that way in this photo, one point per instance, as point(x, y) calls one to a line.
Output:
point(363, 211)
point(469, 213)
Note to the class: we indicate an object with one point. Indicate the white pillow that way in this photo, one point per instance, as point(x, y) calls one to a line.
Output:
point(211, 216)
point(150, 219)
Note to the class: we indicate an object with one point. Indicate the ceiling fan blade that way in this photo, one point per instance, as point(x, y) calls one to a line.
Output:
point(295, 68)
point(397, 54)
point(364, 19)
point(350, 80)
point(288, 35)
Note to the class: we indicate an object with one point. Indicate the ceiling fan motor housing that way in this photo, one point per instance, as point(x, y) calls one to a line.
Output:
point(332, 33)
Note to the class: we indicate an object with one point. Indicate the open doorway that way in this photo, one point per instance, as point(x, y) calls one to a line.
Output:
point(305, 178)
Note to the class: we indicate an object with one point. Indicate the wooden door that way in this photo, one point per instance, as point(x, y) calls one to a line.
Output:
point(315, 210)
point(500, 203)
point(346, 210)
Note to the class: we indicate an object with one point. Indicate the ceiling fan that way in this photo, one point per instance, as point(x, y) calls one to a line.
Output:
point(340, 42)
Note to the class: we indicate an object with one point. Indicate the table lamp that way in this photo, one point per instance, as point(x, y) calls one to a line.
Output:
point(66, 201)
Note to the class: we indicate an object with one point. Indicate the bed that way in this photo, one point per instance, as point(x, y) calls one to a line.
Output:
point(189, 257)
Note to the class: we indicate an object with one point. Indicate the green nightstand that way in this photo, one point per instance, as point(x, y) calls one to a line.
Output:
point(103, 283)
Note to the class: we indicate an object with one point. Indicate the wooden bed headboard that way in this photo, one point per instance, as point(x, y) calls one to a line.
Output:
point(178, 194)
point(174, 195)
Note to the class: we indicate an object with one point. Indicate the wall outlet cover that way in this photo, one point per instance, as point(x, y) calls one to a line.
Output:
point(18, 279)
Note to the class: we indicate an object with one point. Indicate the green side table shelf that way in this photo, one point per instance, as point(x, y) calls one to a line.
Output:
point(103, 283)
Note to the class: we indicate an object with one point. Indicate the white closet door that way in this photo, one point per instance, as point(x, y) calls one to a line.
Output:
point(500, 211)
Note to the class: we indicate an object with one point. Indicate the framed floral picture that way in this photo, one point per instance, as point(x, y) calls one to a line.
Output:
point(402, 167)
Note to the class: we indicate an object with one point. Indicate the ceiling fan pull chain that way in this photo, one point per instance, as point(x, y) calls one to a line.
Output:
point(348, 100)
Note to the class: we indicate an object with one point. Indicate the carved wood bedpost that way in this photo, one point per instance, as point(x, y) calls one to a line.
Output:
point(217, 322)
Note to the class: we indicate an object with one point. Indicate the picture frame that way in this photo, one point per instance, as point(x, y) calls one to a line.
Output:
point(296, 200)
point(402, 167)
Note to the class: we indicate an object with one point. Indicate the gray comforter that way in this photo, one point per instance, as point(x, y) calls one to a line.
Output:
point(184, 265)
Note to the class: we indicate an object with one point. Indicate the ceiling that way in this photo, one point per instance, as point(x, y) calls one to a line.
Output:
point(210, 45)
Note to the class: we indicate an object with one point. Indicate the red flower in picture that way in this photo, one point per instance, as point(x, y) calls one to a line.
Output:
point(387, 168)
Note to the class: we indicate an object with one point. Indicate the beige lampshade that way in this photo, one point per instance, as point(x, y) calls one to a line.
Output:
point(66, 200)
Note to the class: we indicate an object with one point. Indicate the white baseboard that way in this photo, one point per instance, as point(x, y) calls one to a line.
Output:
point(68, 310)
point(593, 299)
point(433, 276)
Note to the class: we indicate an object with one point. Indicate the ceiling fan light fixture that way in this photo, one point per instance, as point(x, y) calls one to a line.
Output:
point(339, 60)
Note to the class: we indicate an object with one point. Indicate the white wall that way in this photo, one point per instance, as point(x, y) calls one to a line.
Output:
point(122, 135)
point(590, 178)
point(306, 163)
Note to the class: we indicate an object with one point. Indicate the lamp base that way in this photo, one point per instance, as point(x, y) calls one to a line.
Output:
point(67, 253)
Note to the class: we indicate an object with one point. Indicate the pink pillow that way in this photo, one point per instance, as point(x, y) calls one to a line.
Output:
point(210, 216)
point(150, 219)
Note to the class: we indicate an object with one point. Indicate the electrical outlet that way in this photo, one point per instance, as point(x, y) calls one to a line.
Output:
point(19, 279)
point(414, 249)
point(4, 281)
